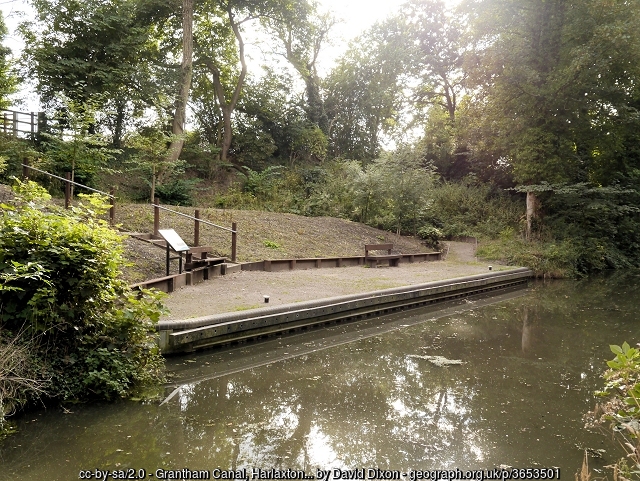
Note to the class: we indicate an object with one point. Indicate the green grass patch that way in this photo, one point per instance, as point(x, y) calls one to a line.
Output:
point(271, 244)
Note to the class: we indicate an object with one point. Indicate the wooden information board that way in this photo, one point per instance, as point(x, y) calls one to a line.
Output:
point(174, 240)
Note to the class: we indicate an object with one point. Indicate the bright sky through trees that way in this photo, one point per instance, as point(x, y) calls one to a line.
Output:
point(355, 15)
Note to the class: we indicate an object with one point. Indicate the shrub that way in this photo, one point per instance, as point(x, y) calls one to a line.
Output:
point(622, 407)
point(545, 259)
point(19, 376)
point(60, 285)
point(270, 244)
point(431, 236)
point(177, 191)
point(463, 209)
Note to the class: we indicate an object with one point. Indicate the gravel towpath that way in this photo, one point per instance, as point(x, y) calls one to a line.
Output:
point(246, 290)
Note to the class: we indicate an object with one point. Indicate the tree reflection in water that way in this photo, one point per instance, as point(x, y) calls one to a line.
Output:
point(356, 395)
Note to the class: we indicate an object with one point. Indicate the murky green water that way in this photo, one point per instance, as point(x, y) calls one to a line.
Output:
point(357, 395)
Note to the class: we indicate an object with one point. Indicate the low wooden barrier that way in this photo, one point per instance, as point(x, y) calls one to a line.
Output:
point(276, 265)
point(200, 274)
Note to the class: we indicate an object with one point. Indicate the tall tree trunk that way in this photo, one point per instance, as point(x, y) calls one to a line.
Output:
point(305, 63)
point(118, 129)
point(315, 109)
point(532, 212)
point(186, 73)
point(227, 133)
point(228, 106)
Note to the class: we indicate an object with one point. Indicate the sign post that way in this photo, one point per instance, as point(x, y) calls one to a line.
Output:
point(175, 243)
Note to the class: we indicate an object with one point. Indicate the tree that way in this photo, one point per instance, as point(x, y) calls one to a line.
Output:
point(184, 86)
point(227, 87)
point(152, 156)
point(106, 53)
point(8, 78)
point(434, 39)
point(302, 36)
point(364, 92)
point(219, 47)
point(275, 109)
point(551, 75)
point(76, 147)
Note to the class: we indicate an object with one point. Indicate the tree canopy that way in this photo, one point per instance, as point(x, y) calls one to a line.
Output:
point(536, 95)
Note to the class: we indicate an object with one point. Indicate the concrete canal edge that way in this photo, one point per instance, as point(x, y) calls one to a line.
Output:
point(188, 335)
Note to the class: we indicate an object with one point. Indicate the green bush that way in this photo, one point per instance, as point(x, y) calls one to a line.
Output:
point(621, 407)
point(461, 209)
point(431, 236)
point(545, 259)
point(177, 191)
point(60, 286)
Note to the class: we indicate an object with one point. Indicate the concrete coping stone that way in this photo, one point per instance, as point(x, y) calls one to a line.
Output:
point(208, 320)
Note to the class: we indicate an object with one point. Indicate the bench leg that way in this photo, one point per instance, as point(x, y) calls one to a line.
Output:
point(395, 262)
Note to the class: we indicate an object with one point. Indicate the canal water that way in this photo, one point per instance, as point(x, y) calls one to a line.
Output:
point(367, 395)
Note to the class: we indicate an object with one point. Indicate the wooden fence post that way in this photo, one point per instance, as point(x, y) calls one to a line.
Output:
point(196, 228)
point(25, 169)
point(234, 241)
point(156, 218)
point(112, 211)
point(67, 190)
point(15, 124)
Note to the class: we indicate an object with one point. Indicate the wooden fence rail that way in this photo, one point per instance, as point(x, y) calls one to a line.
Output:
point(196, 228)
point(15, 122)
point(67, 189)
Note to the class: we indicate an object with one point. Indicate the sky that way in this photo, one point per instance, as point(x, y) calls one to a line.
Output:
point(355, 15)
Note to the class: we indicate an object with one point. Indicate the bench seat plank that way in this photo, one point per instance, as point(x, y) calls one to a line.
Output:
point(394, 259)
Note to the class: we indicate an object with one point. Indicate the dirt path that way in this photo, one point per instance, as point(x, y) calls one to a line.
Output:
point(246, 290)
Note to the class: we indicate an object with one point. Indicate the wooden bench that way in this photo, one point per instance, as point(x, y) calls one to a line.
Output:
point(192, 262)
point(394, 259)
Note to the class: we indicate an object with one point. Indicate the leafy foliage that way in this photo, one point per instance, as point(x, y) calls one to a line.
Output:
point(60, 286)
point(431, 235)
point(150, 149)
point(622, 406)
point(8, 77)
point(104, 53)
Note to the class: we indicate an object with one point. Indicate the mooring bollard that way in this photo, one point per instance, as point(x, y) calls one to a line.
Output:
point(234, 240)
